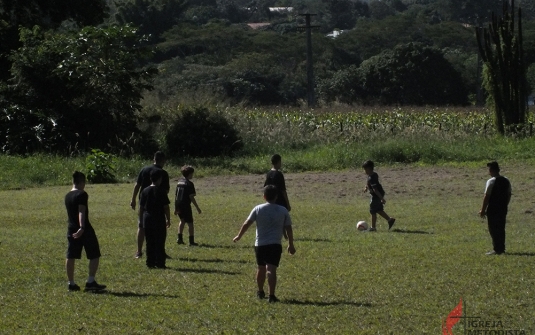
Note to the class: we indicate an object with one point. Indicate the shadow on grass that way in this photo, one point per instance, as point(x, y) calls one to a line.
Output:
point(230, 246)
point(126, 294)
point(215, 260)
point(520, 253)
point(312, 239)
point(325, 303)
point(406, 231)
point(206, 271)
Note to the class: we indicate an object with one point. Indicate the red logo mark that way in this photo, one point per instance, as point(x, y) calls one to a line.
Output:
point(452, 318)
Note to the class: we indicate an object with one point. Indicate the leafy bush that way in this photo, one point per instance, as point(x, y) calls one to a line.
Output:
point(100, 167)
point(201, 133)
point(75, 90)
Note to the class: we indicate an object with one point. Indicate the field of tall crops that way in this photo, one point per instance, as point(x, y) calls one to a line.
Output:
point(298, 128)
point(340, 137)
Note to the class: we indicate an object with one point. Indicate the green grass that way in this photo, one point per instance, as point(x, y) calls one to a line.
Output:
point(326, 139)
point(48, 170)
point(340, 281)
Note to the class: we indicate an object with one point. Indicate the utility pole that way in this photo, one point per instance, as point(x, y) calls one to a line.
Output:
point(311, 100)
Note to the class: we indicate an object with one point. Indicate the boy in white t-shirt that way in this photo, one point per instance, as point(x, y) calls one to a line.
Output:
point(271, 220)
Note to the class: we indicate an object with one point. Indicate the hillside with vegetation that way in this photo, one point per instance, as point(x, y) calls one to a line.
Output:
point(111, 75)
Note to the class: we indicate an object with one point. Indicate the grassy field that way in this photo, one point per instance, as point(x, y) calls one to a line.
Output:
point(340, 281)
point(324, 139)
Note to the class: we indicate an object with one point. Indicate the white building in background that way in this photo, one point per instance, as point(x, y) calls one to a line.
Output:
point(335, 33)
point(258, 25)
point(281, 10)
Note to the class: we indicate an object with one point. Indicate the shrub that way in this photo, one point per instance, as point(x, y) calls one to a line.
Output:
point(200, 133)
point(100, 167)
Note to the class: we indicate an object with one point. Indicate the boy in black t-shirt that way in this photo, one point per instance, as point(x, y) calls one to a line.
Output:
point(81, 235)
point(184, 197)
point(155, 217)
point(377, 196)
point(143, 181)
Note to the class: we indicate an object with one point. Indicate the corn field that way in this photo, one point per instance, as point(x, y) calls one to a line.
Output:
point(301, 128)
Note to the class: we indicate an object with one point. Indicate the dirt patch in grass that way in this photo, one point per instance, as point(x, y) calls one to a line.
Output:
point(398, 182)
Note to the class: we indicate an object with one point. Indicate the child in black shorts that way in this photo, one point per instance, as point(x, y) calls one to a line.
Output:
point(184, 197)
point(377, 196)
point(81, 235)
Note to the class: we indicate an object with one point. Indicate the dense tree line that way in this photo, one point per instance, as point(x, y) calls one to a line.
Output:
point(73, 73)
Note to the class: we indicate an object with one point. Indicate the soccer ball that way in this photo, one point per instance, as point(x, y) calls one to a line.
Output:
point(362, 225)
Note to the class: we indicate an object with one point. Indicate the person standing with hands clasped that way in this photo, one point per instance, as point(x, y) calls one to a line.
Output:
point(143, 181)
point(81, 235)
point(155, 217)
point(271, 219)
point(494, 207)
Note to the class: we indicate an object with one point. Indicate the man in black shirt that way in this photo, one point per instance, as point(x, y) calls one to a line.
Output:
point(80, 235)
point(143, 180)
point(154, 215)
point(495, 203)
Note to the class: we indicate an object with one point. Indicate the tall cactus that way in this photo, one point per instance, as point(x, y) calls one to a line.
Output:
point(504, 74)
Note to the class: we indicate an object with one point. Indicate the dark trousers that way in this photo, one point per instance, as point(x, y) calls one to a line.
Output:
point(155, 235)
point(497, 231)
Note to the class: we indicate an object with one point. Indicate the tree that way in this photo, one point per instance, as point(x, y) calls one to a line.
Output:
point(398, 5)
point(232, 10)
point(73, 90)
point(252, 78)
point(343, 14)
point(472, 12)
point(528, 9)
point(410, 74)
point(504, 73)
point(46, 14)
point(153, 17)
point(380, 10)
point(530, 76)
point(200, 14)
point(342, 86)
point(413, 74)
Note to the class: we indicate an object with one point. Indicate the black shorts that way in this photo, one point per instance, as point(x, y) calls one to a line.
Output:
point(87, 241)
point(376, 205)
point(185, 214)
point(268, 254)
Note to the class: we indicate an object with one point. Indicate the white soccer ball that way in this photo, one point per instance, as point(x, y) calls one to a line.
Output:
point(362, 225)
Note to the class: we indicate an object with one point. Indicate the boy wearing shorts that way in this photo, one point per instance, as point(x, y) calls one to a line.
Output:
point(271, 220)
point(377, 196)
point(184, 197)
point(81, 235)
